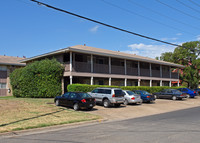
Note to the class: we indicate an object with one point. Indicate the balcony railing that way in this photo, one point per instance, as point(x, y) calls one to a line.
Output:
point(155, 73)
point(117, 70)
point(165, 74)
point(174, 75)
point(132, 71)
point(144, 72)
point(81, 67)
point(101, 68)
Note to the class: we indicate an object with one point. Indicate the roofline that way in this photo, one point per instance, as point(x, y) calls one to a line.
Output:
point(68, 49)
point(13, 64)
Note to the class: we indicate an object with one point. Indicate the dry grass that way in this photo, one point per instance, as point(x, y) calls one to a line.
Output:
point(26, 113)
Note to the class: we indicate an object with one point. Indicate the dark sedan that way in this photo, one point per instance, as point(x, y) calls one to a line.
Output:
point(170, 94)
point(76, 100)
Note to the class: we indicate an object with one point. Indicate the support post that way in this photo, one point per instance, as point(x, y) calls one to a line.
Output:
point(170, 83)
point(125, 82)
point(70, 62)
point(63, 85)
point(139, 82)
point(125, 69)
point(150, 69)
point(92, 82)
point(109, 81)
point(109, 65)
point(138, 68)
point(150, 83)
point(70, 79)
point(91, 63)
point(160, 82)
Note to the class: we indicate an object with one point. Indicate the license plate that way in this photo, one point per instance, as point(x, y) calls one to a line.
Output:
point(90, 105)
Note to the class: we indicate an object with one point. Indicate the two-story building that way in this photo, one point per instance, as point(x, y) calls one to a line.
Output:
point(89, 65)
point(7, 65)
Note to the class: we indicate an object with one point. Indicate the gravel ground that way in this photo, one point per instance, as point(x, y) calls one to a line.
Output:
point(146, 109)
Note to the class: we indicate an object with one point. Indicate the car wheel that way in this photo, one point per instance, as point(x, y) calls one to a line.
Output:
point(106, 103)
point(125, 102)
point(76, 106)
point(57, 102)
point(174, 98)
point(117, 105)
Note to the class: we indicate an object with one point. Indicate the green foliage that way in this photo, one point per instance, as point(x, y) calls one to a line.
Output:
point(38, 79)
point(89, 88)
point(187, 55)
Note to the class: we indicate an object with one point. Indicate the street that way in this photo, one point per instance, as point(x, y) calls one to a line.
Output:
point(174, 127)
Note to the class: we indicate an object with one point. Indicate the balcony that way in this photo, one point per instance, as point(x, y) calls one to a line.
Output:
point(132, 71)
point(165, 75)
point(144, 72)
point(81, 67)
point(101, 68)
point(174, 75)
point(155, 73)
point(67, 66)
point(117, 70)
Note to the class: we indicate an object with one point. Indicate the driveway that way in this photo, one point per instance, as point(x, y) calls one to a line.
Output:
point(146, 109)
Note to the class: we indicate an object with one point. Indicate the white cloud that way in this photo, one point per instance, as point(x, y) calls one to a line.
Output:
point(198, 37)
point(168, 39)
point(179, 34)
point(151, 51)
point(94, 29)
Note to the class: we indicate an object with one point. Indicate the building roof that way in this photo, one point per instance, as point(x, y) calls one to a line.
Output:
point(8, 60)
point(104, 52)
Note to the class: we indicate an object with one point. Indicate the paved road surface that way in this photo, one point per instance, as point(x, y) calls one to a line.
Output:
point(174, 127)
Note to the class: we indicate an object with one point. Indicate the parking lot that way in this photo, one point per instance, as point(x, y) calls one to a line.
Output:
point(132, 111)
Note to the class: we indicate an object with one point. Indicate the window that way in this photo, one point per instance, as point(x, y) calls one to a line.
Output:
point(119, 92)
point(2, 85)
point(66, 95)
point(130, 93)
point(3, 68)
point(107, 91)
point(95, 91)
point(84, 95)
point(73, 96)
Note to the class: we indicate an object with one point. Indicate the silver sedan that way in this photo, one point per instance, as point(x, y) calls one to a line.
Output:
point(131, 97)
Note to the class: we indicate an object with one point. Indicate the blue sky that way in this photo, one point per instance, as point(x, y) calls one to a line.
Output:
point(28, 29)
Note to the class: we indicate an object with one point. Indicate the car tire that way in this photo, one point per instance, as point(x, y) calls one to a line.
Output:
point(125, 102)
point(57, 102)
point(106, 103)
point(76, 107)
point(174, 98)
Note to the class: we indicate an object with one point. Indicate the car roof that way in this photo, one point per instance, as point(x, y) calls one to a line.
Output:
point(108, 88)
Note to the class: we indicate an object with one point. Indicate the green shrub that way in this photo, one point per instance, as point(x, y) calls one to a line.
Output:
point(89, 88)
point(38, 79)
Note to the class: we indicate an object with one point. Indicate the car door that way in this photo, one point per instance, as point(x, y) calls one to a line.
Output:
point(169, 94)
point(72, 99)
point(64, 99)
point(162, 94)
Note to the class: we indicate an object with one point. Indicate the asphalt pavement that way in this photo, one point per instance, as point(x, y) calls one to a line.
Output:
point(174, 127)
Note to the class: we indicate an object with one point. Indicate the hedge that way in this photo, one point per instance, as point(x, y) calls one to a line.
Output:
point(89, 88)
point(40, 79)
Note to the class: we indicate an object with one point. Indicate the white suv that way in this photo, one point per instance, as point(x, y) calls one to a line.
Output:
point(108, 96)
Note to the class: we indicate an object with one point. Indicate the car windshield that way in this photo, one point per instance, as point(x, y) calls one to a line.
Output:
point(130, 92)
point(84, 95)
point(145, 92)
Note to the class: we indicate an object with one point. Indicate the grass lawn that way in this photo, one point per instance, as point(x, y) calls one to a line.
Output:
point(27, 113)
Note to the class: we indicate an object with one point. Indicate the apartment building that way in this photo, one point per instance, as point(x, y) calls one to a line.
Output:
point(95, 66)
point(7, 65)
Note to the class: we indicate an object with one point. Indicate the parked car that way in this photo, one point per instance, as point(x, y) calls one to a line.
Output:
point(188, 91)
point(131, 97)
point(108, 96)
point(197, 91)
point(146, 97)
point(76, 100)
point(170, 94)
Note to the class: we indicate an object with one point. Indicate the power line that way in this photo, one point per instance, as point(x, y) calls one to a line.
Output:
point(163, 15)
point(188, 6)
point(180, 11)
point(194, 3)
point(107, 25)
point(145, 17)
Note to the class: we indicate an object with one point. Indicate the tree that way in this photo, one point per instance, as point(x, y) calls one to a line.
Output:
point(187, 55)
point(38, 79)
